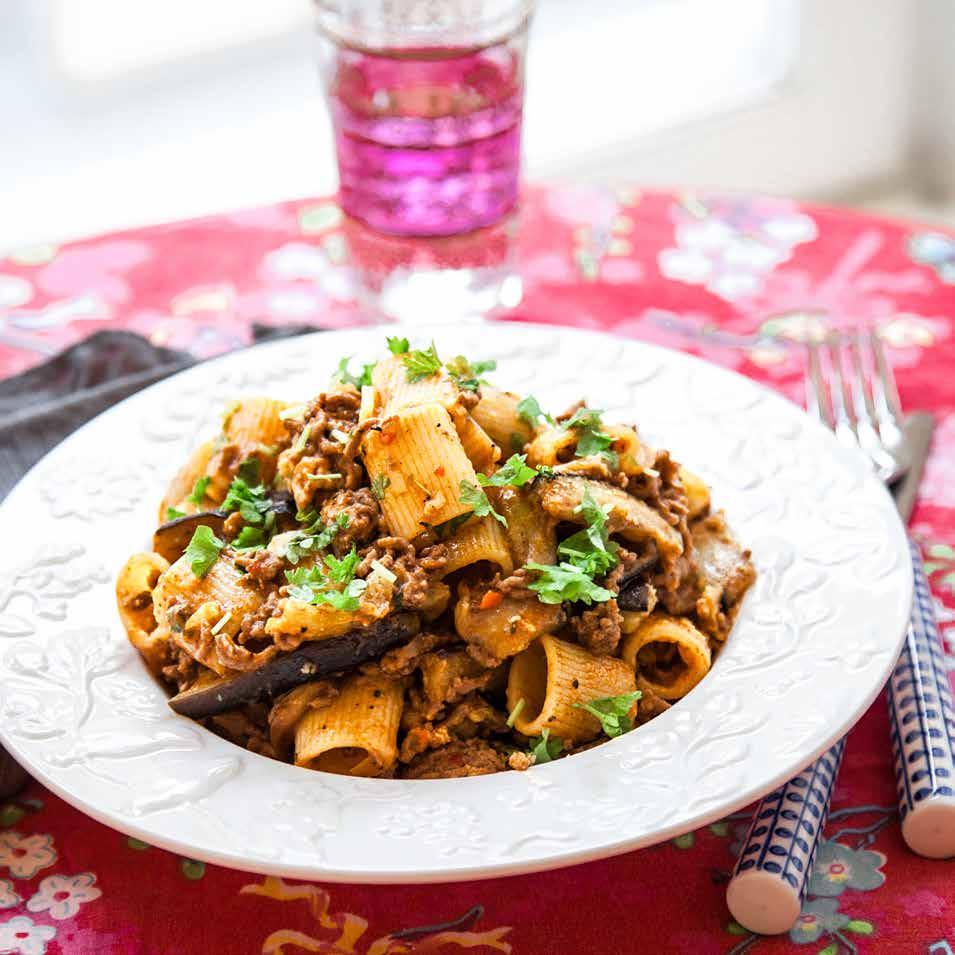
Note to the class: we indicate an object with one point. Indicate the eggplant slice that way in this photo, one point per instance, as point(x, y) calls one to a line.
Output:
point(172, 538)
point(310, 661)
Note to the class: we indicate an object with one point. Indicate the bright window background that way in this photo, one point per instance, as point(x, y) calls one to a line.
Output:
point(121, 112)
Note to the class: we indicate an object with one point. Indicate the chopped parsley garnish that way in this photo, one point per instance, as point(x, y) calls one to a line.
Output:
point(466, 374)
point(315, 586)
point(564, 581)
point(203, 550)
point(590, 549)
point(341, 571)
point(344, 376)
point(446, 528)
point(379, 485)
point(513, 472)
point(590, 439)
point(173, 513)
point(474, 497)
point(421, 363)
point(251, 500)
point(250, 470)
point(530, 411)
point(585, 555)
point(397, 346)
point(613, 712)
point(516, 712)
point(545, 748)
point(250, 538)
point(199, 491)
point(314, 537)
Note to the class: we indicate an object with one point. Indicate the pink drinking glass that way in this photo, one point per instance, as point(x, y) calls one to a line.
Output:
point(426, 99)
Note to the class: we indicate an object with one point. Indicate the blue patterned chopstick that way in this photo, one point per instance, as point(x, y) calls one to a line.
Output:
point(766, 891)
point(769, 882)
point(922, 727)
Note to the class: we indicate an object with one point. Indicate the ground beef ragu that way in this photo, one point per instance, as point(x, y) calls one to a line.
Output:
point(598, 628)
point(253, 626)
point(473, 716)
point(412, 570)
point(461, 630)
point(364, 518)
point(471, 758)
point(262, 566)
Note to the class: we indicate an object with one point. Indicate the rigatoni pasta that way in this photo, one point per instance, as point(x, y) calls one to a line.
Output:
point(357, 733)
point(415, 574)
point(552, 678)
point(419, 451)
point(670, 654)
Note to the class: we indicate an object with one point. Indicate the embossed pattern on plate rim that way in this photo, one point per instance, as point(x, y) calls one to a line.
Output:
point(709, 755)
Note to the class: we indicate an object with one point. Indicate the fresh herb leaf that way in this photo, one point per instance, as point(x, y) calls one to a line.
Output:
point(613, 712)
point(304, 582)
point(250, 538)
point(343, 375)
point(513, 472)
point(516, 442)
point(314, 537)
point(545, 748)
point(250, 471)
point(347, 599)
point(379, 484)
point(421, 363)
point(474, 497)
point(314, 586)
point(203, 550)
point(530, 411)
point(466, 374)
point(342, 570)
point(199, 491)
point(590, 549)
point(565, 581)
point(252, 501)
point(446, 528)
point(173, 513)
point(397, 346)
point(590, 439)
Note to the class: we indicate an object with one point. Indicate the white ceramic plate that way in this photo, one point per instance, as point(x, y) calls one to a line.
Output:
point(815, 641)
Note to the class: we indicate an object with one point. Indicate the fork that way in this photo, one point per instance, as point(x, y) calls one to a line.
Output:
point(851, 389)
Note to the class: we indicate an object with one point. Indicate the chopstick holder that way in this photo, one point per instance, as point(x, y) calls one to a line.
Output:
point(769, 882)
point(922, 728)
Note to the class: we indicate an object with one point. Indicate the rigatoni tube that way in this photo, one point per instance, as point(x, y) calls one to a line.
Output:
point(668, 654)
point(550, 676)
point(357, 734)
point(420, 452)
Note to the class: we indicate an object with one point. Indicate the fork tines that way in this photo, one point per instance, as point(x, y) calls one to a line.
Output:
point(851, 389)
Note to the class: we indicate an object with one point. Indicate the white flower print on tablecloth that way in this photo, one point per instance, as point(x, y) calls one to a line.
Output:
point(730, 244)
point(24, 856)
point(62, 895)
point(22, 936)
point(8, 896)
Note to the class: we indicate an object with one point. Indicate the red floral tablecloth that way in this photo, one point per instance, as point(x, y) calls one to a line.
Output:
point(692, 271)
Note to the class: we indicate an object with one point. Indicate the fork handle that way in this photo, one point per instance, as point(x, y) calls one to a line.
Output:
point(922, 727)
point(769, 882)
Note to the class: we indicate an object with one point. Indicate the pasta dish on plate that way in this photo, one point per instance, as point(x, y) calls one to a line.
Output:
point(418, 575)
